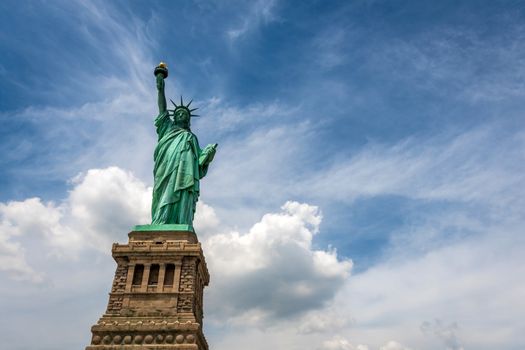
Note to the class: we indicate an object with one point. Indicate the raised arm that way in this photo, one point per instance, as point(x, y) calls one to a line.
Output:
point(161, 73)
point(161, 99)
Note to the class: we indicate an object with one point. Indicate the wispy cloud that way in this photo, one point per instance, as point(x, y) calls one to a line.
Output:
point(458, 63)
point(465, 167)
point(259, 13)
point(108, 99)
point(329, 47)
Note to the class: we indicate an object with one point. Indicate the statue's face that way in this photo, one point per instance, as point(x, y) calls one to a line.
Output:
point(182, 118)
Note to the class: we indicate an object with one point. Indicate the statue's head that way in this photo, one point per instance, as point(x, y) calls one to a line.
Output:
point(181, 117)
point(182, 114)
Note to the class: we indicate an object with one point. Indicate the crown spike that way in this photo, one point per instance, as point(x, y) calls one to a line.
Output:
point(188, 105)
point(193, 109)
point(181, 103)
point(174, 103)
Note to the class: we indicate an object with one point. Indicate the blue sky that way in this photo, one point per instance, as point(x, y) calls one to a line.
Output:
point(377, 145)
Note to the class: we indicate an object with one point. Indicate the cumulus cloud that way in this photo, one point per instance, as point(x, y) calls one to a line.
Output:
point(35, 220)
point(12, 256)
point(272, 271)
point(103, 205)
point(206, 221)
point(106, 202)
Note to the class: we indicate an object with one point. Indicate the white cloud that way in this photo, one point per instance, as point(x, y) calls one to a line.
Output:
point(447, 333)
point(425, 273)
point(340, 343)
point(473, 281)
point(325, 320)
point(102, 206)
point(470, 278)
point(106, 202)
point(393, 345)
point(12, 258)
point(206, 221)
point(272, 276)
point(275, 260)
point(33, 220)
point(272, 271)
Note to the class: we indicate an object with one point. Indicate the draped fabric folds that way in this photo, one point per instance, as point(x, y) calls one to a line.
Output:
point(178, 168)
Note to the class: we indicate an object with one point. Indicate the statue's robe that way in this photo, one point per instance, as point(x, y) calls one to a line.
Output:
point(176, 173)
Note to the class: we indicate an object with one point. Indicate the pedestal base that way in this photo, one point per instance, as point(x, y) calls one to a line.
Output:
point(156, 299)
point(146, 333)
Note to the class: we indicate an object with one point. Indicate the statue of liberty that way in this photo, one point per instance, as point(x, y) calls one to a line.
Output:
point(179, 161)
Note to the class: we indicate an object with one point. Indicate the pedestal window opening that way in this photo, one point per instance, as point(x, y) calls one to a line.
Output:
point(153, 278)
point(169, 274)
point(137, 275)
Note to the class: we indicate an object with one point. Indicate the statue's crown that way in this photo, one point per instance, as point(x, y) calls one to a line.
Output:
point(185, 107)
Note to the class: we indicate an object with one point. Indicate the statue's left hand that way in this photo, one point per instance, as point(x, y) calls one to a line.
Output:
point(211, 149)
point(208, 153)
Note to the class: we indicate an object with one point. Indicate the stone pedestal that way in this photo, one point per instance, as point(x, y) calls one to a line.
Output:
point(156, 298)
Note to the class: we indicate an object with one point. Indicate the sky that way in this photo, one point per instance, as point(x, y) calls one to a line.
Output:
point(368, 191)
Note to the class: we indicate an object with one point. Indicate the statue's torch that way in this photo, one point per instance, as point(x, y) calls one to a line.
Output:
point(162, 68)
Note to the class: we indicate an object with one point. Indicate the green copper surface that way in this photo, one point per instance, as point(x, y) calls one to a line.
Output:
point(179, 163)
point(166, 227)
